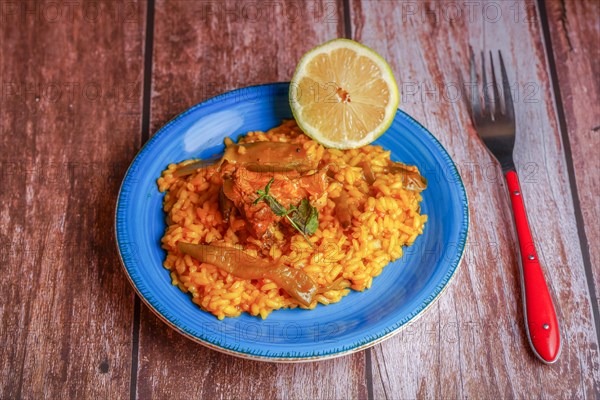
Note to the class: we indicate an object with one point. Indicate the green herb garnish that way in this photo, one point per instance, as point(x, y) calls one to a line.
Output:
point(304, 218)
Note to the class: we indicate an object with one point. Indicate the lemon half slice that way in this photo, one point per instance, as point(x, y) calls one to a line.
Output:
point(343, 94)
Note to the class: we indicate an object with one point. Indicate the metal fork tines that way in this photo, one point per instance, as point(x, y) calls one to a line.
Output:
point(494, 123)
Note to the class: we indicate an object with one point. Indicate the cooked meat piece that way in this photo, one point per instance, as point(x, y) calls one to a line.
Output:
point(288, 188)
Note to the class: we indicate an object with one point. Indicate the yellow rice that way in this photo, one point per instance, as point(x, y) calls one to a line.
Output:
point(387, 218)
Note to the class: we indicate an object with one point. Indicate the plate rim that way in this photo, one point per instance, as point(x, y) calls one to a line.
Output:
point(386, 333)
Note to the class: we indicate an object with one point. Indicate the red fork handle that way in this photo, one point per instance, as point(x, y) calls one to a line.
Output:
point(540, 317)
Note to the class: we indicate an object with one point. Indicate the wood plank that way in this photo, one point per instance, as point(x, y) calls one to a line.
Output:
point(472, 344)
point(575, 36)
point(198, 53)
point(69, 126)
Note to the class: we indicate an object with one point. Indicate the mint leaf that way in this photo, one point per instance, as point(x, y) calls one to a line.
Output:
point(304, 218)
point(276, 207)
point(263, 195)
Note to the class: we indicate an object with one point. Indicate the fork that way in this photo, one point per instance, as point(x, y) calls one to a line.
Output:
point(495, 126)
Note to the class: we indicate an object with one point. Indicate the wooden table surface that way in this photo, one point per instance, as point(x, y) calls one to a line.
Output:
point(86, 83)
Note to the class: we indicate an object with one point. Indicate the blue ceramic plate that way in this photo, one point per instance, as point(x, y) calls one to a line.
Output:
point(404, 290)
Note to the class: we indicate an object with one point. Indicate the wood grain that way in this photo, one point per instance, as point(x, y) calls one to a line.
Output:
point(202, 49)
point(472, 344)
point(69, 126)
point(575, 36)
point(70, 112)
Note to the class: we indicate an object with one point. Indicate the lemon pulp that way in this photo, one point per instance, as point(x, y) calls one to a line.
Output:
point(343, 94)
